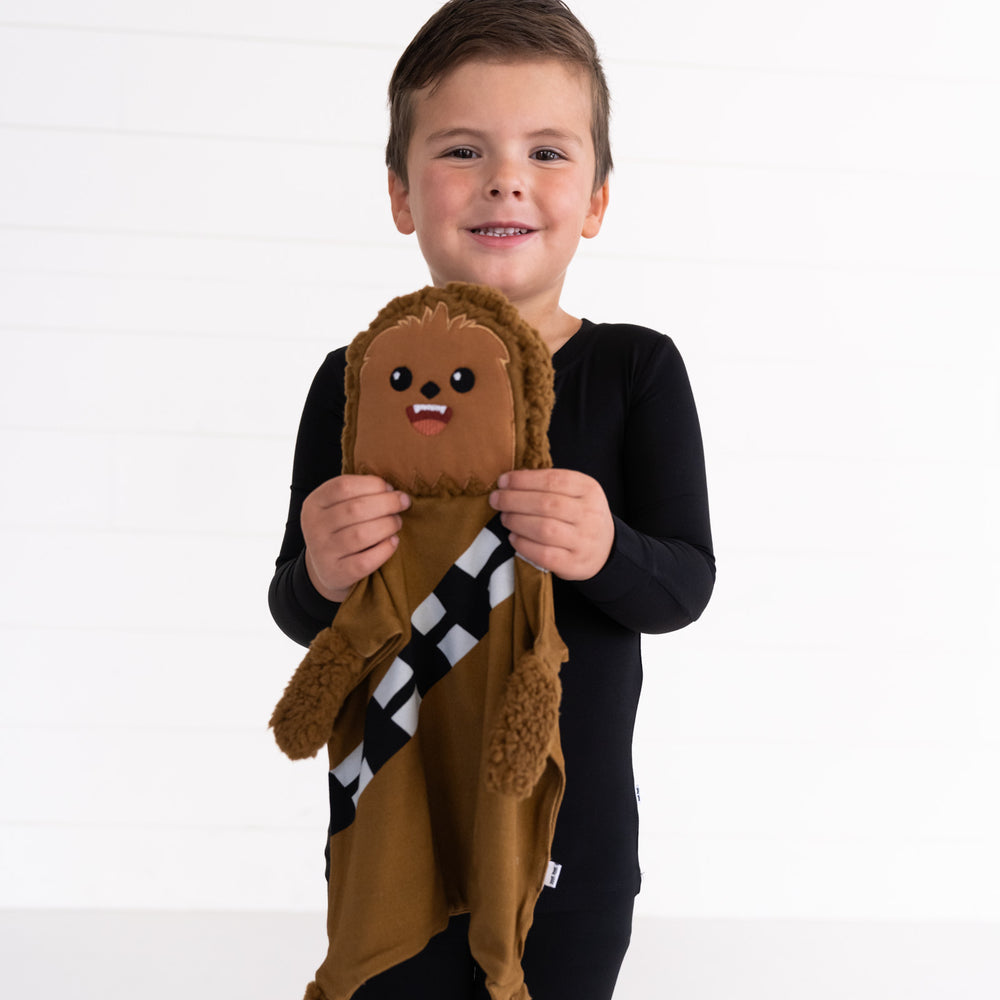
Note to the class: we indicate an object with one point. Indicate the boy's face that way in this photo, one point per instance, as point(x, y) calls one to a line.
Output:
point(501, 178)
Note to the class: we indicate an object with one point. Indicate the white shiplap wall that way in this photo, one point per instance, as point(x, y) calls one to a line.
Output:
point(192, 212)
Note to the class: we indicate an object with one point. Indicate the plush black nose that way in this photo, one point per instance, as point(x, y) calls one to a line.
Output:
point(429, 390)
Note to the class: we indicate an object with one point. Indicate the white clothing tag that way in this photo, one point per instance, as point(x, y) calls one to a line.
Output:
point(552, 875)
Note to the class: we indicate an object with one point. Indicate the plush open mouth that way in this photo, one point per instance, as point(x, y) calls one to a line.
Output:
point(428, 418)
point(502, 231)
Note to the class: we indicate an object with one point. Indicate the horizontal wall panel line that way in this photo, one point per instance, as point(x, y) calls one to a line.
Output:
point(803, 72)
point(165, 234)
point(266, 628)
point(119, 433)
point(159, 333)
point(218, 137)
point(128, 32)
point(610, 58)
point(824, 171)
point(246, 828)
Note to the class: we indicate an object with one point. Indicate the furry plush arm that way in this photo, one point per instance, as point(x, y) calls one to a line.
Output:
point(528, 719)
point(368, 630)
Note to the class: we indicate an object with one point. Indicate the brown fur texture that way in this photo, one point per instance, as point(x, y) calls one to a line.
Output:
point(528, 368)
point(303, 720)
point(523, 732)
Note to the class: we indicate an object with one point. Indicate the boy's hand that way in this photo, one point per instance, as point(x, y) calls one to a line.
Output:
point(558, 519)
point(349, 524)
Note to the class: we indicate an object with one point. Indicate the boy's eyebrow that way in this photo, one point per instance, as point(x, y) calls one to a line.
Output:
point(556, 133)
point(563, 135)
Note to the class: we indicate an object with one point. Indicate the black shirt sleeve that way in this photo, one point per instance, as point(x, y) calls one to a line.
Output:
point(625, 414)
point(298, 608)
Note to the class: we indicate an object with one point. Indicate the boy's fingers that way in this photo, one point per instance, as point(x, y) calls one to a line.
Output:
point(342, 488)
point(564, 481)
point(537, 506)
point(543, 530)
point(363, 535)
point(540, 503)
point(365, 563)
point(336, 510)
point(335, 579)
point(553, 558)
point(559, 493)
point(366, 508)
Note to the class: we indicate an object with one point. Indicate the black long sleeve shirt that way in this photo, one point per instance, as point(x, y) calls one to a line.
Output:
point(624, 415)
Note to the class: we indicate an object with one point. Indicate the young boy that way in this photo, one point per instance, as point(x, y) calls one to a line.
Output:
point(498, 160)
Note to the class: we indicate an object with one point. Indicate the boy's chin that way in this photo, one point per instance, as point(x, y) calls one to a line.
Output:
point(500, 283)
point(519, 292)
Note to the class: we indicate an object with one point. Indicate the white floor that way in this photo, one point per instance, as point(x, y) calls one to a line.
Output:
point(65, 955)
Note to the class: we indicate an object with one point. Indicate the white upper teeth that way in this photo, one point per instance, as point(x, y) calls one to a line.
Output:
point(503, 232)
point(433, 407)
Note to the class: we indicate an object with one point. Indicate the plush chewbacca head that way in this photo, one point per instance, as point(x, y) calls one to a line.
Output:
point(447, 389)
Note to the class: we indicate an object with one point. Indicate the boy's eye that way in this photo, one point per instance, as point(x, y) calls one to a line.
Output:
point(548, 155)
point(401, 378)
point(462, 380)
point(462, 153)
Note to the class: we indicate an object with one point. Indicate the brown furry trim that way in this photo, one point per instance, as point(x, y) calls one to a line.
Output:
point(313, 992)
point(530, 369)
point(523, 732)
point(303, 719)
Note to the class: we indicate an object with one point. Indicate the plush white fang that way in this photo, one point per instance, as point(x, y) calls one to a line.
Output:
point(433, 407)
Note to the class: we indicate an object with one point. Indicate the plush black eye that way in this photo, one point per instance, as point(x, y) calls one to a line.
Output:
point(462, 380)
point(401, 378)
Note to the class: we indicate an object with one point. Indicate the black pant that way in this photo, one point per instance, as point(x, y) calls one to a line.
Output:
point(576, 953)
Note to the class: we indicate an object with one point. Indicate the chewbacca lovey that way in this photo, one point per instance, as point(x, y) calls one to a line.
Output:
point(436, 687)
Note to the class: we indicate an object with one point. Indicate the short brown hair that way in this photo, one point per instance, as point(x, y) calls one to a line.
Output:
point(504, 30)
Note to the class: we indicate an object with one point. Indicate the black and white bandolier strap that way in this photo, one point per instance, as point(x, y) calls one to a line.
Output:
point(444, 627)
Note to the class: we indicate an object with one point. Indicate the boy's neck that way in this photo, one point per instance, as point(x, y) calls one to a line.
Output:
point(555, 326)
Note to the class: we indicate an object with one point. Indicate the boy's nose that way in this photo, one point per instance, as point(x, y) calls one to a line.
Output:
point(505, 181)
point(429, 390)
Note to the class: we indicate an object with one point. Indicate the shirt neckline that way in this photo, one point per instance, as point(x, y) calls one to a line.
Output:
point(572, 349)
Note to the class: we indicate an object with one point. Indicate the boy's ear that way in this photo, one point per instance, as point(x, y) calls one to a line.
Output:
point(399, 200)
point(598, 206)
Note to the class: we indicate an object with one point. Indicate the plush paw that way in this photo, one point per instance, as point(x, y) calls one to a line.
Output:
point(522, 737)
point(303, 719)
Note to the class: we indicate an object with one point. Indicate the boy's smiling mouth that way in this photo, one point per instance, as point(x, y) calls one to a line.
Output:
point(502, 231)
